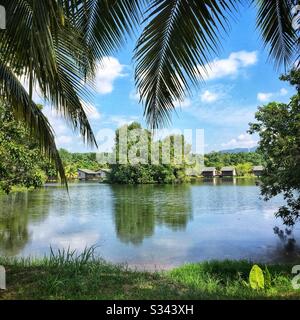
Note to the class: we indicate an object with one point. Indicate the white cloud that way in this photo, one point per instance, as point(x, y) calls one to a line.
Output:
point(242, 141)
point(230, 67)
point(185, 103)
point(64, 136)
point(209, 97)
point(264, 97)
point(37, 96)
point(268, 96)
point(109, 69)
point(55, 120)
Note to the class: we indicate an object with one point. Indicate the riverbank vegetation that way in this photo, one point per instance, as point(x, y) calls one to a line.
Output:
point(24, 166)
point(146, 161)
point(243, 162)
point(278, 127)
point(67, 276)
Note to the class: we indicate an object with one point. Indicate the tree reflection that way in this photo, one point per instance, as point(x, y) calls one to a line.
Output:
point(15, 215)
point(137, 209)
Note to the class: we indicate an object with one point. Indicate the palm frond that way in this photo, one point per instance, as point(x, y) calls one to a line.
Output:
point(41, 45)
point(181, 36)
point(104, 24)
point(274, 20)
point(27, 111)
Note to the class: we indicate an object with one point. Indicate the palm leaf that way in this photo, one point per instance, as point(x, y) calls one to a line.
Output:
point(274, 20)
point(181, 36)
point(27, 111)
point(41, 45)
point(104, 24)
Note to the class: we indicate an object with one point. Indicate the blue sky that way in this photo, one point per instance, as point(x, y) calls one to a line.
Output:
point(241, 79)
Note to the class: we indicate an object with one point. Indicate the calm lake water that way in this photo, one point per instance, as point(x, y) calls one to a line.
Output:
point(148, 226)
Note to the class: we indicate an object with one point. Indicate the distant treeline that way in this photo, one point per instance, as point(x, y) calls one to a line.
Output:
point(243, 163)
point(162, 173)
point(220, 159)
point(23, 165)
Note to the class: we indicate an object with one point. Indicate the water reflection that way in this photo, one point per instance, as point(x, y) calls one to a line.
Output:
point(15, 216)
point(147, 225)
point(138, 209)
point(229, 181)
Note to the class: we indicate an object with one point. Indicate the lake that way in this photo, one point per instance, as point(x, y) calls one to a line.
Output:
point(148, 226)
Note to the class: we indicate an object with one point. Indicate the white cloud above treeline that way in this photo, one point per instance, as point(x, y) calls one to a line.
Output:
point(268, 96)
point(229, 67)
point(244, 140)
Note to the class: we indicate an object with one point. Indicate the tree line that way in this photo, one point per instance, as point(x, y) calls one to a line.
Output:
point(23, 164)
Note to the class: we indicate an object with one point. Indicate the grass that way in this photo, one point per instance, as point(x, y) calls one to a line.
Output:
point(67, 275)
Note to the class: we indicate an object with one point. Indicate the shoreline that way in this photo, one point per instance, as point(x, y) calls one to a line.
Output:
point(64, 277)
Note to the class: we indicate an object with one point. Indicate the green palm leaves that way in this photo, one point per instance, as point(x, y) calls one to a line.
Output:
point(274, 20)
point(180, 36)
point(42, 46)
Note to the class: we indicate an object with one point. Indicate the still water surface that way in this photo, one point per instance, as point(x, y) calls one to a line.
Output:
point(148, 226)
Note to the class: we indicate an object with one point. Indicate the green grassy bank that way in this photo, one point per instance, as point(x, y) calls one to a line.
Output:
point(66, 276)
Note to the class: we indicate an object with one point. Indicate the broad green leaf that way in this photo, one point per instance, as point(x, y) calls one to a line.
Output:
point(256, 278)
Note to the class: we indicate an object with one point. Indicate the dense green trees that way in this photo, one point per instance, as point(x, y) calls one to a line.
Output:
point(149, 167)
point(21, 159)
point(74, 161)
point(22, 163)
point(242, 160)
point(278, 125)
point(244, 169)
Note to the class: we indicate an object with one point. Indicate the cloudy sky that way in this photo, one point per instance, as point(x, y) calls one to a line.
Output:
point(240, 80)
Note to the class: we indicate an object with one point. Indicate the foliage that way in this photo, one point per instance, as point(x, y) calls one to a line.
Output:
point(74, 161)
point(42, 48)
point(241, 160)
point(20, 155)
point(256, 278)
point(144, 171)
point(244, 169)
point(259, 279)
point(71, 276)
point(278, 125)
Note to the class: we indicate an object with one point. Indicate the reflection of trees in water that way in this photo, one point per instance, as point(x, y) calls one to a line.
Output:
point(15, 215)
point(286, 236)
point(13, 223)
point(137, 209)
point(228, 181)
